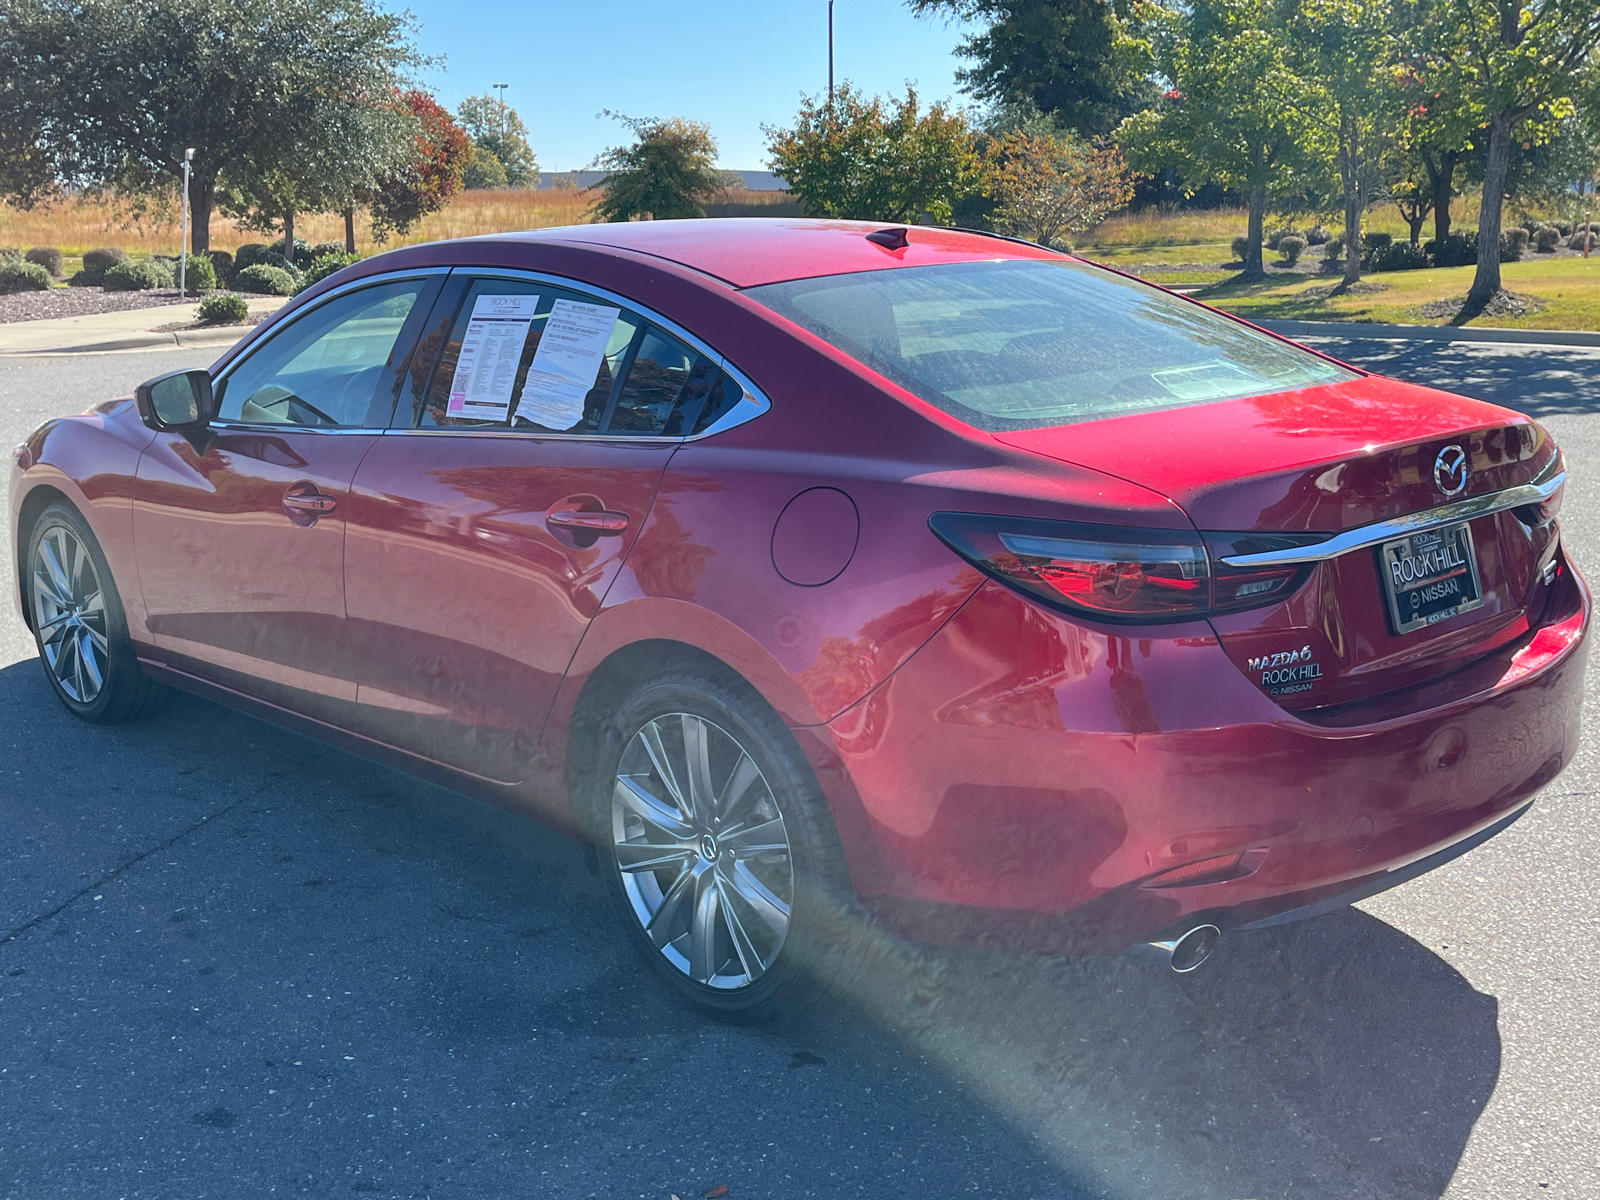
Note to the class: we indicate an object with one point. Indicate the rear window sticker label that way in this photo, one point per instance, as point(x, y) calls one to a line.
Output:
point(487, 369)
point(567, 363)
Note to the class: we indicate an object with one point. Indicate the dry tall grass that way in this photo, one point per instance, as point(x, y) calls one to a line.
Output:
point(1183, 227)
point(77, 225)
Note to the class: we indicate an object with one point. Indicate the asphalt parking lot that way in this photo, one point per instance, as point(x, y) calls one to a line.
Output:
point(235, 963)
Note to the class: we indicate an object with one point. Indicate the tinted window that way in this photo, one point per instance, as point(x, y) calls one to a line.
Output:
point(666, 388)
point(1022, 345)
point(483, 377)
point(325, 368)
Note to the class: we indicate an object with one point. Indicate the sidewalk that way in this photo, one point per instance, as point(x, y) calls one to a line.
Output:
point(136, 330)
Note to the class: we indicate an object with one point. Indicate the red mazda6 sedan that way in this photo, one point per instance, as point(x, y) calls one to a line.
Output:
point(805, 567)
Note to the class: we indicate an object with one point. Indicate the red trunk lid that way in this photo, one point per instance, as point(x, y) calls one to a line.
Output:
point(1323, 461)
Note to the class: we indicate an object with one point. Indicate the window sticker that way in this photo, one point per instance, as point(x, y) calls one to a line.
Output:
point(487, 369)
point(567, 363)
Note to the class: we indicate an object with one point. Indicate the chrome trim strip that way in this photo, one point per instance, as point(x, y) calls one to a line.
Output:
point(1398, 527)
point(496, 431)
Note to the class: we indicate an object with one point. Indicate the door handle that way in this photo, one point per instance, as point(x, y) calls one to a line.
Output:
point(603, 524)
point(304, 504)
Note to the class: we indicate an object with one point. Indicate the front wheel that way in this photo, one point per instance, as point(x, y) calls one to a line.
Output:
point(79, 625)
point(720, 851)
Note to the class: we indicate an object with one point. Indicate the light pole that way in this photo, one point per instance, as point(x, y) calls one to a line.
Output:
point(183, 226)
point(501, 88)
point(830, 52)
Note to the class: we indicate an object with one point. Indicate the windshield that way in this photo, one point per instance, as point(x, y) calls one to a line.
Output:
point(1007, 345)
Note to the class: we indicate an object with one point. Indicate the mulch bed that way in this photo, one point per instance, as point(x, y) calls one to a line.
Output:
point(79, 302)
point(1501, 304)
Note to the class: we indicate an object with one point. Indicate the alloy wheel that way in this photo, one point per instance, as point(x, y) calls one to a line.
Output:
point(69, 614)
point(703, 852)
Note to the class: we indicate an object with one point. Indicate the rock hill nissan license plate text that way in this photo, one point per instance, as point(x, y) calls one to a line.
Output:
point(1430, 577)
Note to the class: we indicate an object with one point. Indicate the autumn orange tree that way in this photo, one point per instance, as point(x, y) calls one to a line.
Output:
point(1047, 188)
point(429, 180)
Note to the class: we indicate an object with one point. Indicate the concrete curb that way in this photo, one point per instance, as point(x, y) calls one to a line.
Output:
point(225, 335)
point(1430, 333)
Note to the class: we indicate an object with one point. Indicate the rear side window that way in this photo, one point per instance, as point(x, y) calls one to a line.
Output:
point(1023, 345)
point(525, 355)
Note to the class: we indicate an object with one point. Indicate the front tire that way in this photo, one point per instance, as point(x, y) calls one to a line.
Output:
point(719, 850)
point(79, 624)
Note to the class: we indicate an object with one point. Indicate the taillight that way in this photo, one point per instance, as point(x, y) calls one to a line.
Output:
point(24, 457)
point(1103, 571)
point(1108, 572)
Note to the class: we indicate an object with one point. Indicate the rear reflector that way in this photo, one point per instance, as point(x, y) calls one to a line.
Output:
point(1210, 870)
point(1109, 572)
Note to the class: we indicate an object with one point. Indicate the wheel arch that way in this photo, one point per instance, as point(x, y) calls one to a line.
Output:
point(608, 683)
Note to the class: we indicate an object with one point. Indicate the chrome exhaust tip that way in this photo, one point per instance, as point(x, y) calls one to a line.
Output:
point(1183, 954)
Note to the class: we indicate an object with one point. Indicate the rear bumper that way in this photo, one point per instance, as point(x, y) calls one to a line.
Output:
point(1022, 779)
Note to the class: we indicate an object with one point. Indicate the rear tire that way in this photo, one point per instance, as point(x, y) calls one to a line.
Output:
point(719, 850)
point(79, 624)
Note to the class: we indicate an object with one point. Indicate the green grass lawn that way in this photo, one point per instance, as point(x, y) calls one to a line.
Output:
point(1568, 287)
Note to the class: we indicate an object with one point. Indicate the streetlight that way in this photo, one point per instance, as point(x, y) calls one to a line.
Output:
point(183, 226)
point(501, 88)
point(830, 51)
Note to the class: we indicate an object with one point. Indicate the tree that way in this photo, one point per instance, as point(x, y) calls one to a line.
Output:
point(873, 160)
point(667, 173)
point(484, 171)
point(433, 174)
point(1509, 61)
point(1045, 188)
point(1344, 54)
point(1226, 119)
point(1086, 61)
point(495, 126)
point(115, 91)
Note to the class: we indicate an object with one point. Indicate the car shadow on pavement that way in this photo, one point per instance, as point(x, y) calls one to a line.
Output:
point(1541, 381)
point(244, 956)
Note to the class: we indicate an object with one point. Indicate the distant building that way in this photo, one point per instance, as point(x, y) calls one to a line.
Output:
point(755, 181)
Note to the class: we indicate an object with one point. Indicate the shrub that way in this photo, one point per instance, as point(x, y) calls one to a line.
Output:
point(251, 254)
point(1289, 247)
point(1577, 241)
point(265, 280)
point(224, 308)
point(95, 265)
point(1398, 256)
point(324, 265)
point(1517, 238)
point(1565, 227)
point(1333, 253)
point(1457, 250)
point(19, 276)
point(323, 249)
point(139, 276)
point(1275, 236)
point(222, 262)
point(1317, 235)
point(1547, 240)
point(47, 257)
point(1241, 247)
point(1375, 241)
point(302, 252)
point(10, 252)
point(200, 274)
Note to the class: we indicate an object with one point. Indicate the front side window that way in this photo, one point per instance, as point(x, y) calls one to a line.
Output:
point(1008, 345)
point(325, 369)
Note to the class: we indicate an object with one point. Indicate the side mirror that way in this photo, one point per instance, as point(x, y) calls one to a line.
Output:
point(177, 402)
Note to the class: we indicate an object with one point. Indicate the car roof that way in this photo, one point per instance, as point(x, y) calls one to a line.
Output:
point(750, 251)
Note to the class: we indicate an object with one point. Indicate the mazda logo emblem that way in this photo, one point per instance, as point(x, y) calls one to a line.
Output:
point(1450, 470)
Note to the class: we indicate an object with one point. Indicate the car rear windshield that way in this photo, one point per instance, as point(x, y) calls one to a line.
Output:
point(1022, 345)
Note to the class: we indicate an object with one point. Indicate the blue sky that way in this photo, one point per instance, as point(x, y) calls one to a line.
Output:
point(734, 65)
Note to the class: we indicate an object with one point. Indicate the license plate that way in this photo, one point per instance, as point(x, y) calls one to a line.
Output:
point(1430, 577)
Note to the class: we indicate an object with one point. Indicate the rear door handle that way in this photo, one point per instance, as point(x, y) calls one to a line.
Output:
point(304, 504)
point(602, 523)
